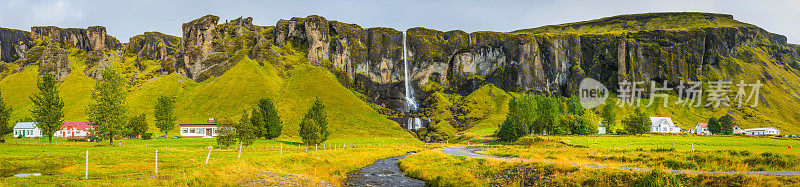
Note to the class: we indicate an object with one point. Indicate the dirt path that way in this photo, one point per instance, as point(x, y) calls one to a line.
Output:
point(470, 152)
point(384, 172)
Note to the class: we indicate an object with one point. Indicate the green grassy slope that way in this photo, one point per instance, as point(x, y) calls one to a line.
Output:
point(348, 116)
point(642, 22)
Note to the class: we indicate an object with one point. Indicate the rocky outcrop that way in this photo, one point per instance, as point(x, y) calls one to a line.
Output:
point(90, 39)
point(13, 44)
point(154, 46)
point(198, 45)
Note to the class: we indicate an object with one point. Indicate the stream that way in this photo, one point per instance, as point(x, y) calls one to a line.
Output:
point(383, 172)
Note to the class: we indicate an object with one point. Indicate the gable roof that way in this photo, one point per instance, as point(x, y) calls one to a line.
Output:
point(704, 125)
point(25, 125)
point(660, 120)
point(84, 126)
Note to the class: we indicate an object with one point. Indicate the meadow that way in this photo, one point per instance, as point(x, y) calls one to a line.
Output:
point(182, 162)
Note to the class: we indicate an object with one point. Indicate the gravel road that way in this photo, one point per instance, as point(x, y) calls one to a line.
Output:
point(384, 172)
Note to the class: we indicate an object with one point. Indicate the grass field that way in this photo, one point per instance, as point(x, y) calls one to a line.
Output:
point(712, 153)
point(182, 162)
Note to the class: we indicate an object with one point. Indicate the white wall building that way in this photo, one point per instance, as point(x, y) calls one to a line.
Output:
point(663, 125)
point(768, 131)
point(27, 130)
point(205, 130)
point(601, 128)
point(701, 129)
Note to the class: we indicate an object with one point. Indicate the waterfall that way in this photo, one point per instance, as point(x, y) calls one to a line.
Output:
point(410, 103)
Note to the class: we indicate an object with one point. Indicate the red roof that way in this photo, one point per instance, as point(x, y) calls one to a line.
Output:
point(84, 126)
point(704, 125)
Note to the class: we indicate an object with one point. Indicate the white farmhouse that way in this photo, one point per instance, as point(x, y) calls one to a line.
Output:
point(201, 130)
point(27, 130)
point(768, 131)
point(663, 125)
point(701, 129)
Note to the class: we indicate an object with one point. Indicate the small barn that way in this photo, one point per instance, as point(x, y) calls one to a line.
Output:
point(601, 127)
point(27, 130)
point(768, 131)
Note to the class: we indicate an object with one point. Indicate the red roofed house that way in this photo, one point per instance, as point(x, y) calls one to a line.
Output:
point(75, 131)
point(702, 129)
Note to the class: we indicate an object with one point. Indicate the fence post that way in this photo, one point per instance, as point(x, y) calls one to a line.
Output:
point(156, 162)
point(315, 147)
point(86, 175)
point(209, 153)
point(692, 147)
point(240, 150)
point(281, 147)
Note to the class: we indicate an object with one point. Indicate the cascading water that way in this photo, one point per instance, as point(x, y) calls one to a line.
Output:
point(411, 105)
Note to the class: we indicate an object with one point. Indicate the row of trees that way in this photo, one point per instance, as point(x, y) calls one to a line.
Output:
point(536, 114)
point(723, 125)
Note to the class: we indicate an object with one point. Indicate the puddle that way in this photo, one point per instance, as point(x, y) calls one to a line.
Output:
point(28, 175)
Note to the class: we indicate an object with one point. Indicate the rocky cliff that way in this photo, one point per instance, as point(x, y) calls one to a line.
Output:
point(525, 60)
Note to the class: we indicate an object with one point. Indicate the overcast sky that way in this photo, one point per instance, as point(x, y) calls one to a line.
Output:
point(124, 19)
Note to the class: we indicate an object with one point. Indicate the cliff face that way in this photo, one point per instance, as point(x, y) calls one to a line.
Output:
point(521, 61)
point(154, 46)
point(13, 44)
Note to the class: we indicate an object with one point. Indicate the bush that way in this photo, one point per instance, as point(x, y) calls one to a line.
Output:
point(657, 178)
point(147, 136)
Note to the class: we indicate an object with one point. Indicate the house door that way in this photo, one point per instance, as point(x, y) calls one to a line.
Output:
point(208, 132)
point(63, 134)
point(23, 133)
point(73, 133)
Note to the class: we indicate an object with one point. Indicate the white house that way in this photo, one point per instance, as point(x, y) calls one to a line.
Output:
point(202, 130)
point(601, 128)
point(663, 125)
point(737, 130)
point(27, 130)
point(701, 129)
point(768, 131)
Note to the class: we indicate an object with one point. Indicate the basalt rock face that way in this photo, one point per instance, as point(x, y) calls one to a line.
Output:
point(198, 46)
point(13, 44)
point(90, 39)
point(552, 63)
point(52, 56)
point(154, 46)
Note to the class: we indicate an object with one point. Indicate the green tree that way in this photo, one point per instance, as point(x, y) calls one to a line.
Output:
point(266, 120)
point(574, 106)
point(512, 129)
point(726, 124)
point(713, 125)
point(637, 123)
point(137, 126)
point(108, 110)
point(226, 132)
point(165, 114)
point(5, 115)
point(245, 131)
point(548, 112)
point(314, 126)
point(47, 106)
point(610, 117)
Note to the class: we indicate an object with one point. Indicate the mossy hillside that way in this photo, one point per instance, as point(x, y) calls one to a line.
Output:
point(643, 22)
point(348, 116)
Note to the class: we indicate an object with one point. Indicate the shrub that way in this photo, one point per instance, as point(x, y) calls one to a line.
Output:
point(657, 178)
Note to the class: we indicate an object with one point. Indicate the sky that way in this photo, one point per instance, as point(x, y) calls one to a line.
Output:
point(124, 19)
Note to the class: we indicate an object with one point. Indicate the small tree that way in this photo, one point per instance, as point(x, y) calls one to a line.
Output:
point(245, 131)
point(512, 129)
point(47, 106)
point(266, 120)
point(314, 126)
point(637, 123)
point(226, 132)
point(165, 114)
point(610, 117)
point(713, 125)
point(726, 124)
point(108, 110)
point(137, 126)
point(5, 115)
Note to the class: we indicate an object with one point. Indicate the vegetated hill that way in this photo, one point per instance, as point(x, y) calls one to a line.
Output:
point(642, 22)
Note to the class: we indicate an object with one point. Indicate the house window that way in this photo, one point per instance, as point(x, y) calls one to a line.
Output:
point(16, 132)
point(191, 130)
point(184, 130)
